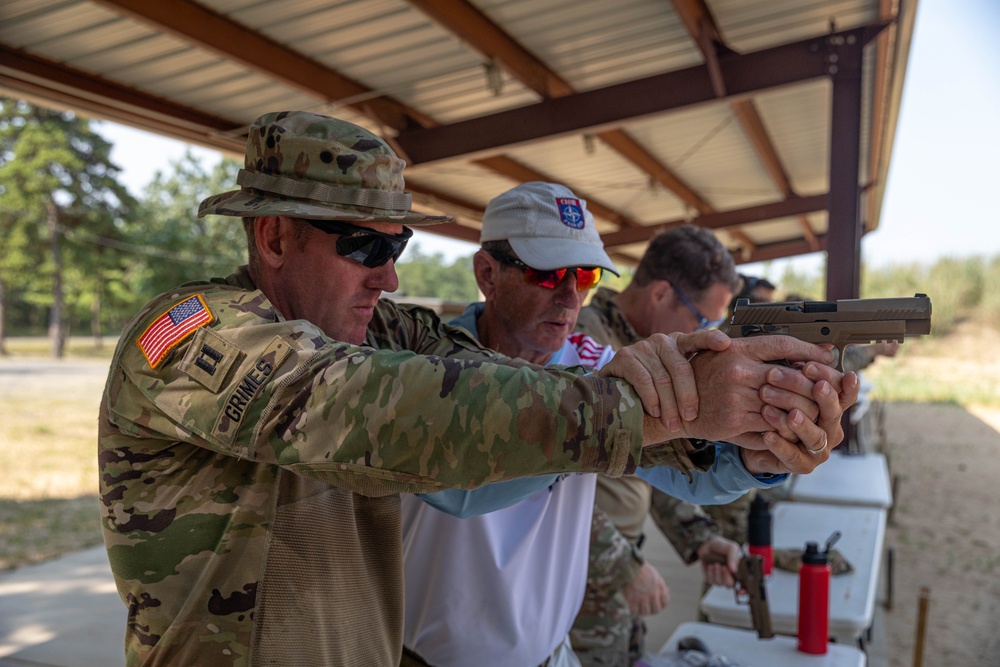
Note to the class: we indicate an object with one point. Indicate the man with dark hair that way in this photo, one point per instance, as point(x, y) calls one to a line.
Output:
point(683, 283)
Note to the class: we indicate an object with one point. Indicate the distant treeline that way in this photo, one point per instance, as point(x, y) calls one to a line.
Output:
point(959, 288)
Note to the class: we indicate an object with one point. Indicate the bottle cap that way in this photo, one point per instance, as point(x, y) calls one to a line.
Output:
point(760, 505)
point(759, 522)
point(813, 556)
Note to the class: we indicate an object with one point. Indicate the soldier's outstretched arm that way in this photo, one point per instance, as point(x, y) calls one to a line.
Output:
point(729, 478)
point(373, 421)
point(659, 370)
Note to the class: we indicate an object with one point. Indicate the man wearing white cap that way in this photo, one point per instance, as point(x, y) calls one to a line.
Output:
point(503, 587)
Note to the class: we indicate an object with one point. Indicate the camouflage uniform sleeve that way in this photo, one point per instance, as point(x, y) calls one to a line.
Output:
point(684, 524)
point(674, 454)
point(614, 561)
point(372, 421)
point(407, 327)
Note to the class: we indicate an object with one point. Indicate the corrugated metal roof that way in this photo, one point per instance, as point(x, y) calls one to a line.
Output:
point(398, 66)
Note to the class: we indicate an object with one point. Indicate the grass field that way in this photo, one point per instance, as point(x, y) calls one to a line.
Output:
point(48, 489)
point(961, 368)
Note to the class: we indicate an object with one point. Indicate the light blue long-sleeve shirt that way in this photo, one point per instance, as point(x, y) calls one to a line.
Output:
point(726, 481)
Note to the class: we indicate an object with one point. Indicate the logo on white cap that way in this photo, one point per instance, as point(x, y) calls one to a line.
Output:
point(570, 212)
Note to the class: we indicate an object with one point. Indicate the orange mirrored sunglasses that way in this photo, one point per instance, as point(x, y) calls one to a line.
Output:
point(586, 276)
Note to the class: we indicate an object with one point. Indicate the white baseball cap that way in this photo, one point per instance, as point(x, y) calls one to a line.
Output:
point(548, 227)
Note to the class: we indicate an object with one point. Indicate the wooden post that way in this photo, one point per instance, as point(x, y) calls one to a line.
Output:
point(918, 648)
point(890, 557)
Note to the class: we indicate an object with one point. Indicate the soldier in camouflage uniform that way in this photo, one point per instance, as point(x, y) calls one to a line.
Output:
point(685, 272)
point(255, 431)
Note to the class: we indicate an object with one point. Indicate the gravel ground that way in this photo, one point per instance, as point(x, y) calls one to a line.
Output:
point(945, 533)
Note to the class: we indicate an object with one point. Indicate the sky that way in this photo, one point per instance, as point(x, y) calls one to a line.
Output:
point(939, 198)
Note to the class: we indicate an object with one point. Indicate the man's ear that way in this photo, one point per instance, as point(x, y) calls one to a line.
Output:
point(660, 291)
point(271, 234)
point(486, 270)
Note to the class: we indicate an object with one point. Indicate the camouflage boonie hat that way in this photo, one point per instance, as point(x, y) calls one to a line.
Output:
point(305, 165)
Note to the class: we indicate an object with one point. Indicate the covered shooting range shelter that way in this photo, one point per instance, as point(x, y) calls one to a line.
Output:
point(770, 122)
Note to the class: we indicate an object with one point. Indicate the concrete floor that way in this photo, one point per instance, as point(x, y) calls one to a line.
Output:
point(63, 613)
point(67, 613)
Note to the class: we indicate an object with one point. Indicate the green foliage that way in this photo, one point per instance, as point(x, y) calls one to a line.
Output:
point(57, 186)
point(795, 285)
point(617, 283)
point(906, 383)
point(990, 308)
point(171, 245)
point(960, 288)
point(964, 282)
point(896, 280)
point(115, 252)
point(428, 276)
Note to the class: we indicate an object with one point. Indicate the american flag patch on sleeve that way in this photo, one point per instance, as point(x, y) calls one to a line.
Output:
point(169, 329)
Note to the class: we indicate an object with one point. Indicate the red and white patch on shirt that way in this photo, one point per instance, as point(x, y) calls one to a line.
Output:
point(588, 349)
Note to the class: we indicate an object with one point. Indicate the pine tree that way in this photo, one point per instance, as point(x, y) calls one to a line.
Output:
point(57, 181)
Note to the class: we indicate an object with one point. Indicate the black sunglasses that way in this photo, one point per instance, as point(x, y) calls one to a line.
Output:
point(364, 245)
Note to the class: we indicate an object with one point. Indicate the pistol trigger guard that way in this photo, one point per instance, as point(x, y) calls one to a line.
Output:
point(838, 358)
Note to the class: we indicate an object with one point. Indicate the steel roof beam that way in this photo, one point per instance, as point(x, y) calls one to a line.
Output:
point(701, 26)
point(843, 277)
point(703, 29)
point(724, 219)
point(522, 173)
point(43, 79)
point(625, 145)
point(753, 127)
point(597, 109)
point(781, 250)
point(483, 35)
point(197, 24)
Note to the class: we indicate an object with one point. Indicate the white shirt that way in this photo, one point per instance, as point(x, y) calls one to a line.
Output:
point(501, 589)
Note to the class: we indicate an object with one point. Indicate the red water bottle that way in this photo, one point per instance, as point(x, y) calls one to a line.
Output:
point(814, 598)
point(759, 532)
